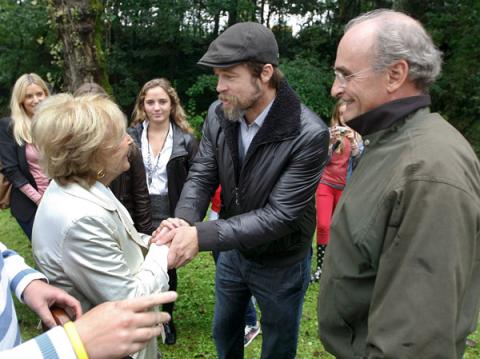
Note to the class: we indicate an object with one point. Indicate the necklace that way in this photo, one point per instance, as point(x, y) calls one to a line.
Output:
point(153, 169)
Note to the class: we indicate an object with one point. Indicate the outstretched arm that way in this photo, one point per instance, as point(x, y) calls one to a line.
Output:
point(110, 330)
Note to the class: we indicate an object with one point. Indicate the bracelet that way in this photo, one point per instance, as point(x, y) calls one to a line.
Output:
point(75, 340)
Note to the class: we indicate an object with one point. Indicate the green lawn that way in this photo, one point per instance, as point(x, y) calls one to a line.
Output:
point(194, 308)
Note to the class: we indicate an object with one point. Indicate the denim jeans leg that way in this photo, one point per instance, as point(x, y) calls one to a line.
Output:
point(250, 313)
point(231, 299)
point(280, 293)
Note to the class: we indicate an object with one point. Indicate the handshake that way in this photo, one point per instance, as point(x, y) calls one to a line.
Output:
point(181, 238)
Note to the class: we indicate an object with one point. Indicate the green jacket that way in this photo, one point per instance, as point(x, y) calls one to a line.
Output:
point(401, 276)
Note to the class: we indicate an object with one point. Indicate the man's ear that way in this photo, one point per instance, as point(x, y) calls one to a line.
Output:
point(397, 75)
point(266, 73)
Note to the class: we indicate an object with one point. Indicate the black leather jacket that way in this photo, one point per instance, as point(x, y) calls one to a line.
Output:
point(185, 147)
point(268, 208)
point(131, 189)
point(15, 169)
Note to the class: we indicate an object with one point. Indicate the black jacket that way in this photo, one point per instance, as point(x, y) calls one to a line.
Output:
point(131, 189)
point(15, 169)
point(268, 210)
point(184, 148)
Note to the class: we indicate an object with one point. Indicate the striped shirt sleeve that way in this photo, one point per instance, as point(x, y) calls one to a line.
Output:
point(15, 275)
point(53, 344)
point(18, 273)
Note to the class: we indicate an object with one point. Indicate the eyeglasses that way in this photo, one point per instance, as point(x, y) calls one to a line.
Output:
point(344, 80)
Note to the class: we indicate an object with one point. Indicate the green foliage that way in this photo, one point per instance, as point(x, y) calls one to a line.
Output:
point(311, 79)
point(145, 39)
point(457, 93)
point(200, 95)
point(25, 39)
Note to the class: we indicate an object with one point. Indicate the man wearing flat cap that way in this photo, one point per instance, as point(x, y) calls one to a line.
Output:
point(266, 150)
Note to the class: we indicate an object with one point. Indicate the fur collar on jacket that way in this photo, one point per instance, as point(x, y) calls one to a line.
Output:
point(282, 122)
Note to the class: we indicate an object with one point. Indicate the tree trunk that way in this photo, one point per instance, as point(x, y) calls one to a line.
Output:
point(80, 28)
point(262, 12)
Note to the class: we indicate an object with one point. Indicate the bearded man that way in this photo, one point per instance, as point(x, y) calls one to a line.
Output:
point(267, 150)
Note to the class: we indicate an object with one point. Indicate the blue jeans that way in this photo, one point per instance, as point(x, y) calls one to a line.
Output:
point(251, 313)
point(279, 292)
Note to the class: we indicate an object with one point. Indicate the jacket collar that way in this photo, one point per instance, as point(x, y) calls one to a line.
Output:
point(178, 146)
point(97, 194)
point(384, 116)
point(94, 194)
point(282, 122)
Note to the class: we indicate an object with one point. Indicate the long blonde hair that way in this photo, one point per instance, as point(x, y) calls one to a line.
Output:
point(21, 121)
point(177, 113)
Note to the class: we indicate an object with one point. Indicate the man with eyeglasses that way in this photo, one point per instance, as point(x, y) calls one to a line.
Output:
point(401, 275)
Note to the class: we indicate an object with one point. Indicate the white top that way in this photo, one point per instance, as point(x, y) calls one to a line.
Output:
point(156, 167)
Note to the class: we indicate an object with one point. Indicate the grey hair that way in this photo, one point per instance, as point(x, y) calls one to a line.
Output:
point(399, 39)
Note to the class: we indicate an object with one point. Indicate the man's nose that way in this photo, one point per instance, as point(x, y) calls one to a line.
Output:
point(221, 86)
point(337, 88)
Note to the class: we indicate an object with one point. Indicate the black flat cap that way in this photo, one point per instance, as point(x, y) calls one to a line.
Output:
point(245, 41)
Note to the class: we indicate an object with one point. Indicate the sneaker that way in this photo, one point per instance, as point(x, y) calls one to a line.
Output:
point(470, 343)
point(251, 333)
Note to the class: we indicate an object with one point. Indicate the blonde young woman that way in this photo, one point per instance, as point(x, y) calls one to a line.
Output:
point(84, 240)
point(160, 130)
point(18, 154)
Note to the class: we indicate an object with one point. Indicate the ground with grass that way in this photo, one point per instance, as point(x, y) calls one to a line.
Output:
point(194, 308)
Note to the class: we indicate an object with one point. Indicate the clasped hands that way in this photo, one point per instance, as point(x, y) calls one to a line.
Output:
point(181, 238)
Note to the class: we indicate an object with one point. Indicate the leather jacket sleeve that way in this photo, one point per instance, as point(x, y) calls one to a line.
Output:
point(139, 190)
point(8, 156)
point(192, 149)
point(202, 177)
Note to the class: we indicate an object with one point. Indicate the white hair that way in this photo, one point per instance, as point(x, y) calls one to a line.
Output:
point(401, 37)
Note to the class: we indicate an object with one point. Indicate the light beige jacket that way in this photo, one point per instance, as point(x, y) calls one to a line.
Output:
point(85, 243)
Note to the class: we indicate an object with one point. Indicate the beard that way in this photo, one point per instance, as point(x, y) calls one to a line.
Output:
point(236, 109)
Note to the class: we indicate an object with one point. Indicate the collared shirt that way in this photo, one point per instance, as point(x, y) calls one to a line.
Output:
point(156, 167)
point(248, 131)
point(384, 116)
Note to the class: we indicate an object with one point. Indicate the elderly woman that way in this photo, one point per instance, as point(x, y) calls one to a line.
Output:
point(131, 186)
point(84, 240)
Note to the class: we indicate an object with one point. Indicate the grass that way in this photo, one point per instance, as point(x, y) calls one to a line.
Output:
point(194, 308)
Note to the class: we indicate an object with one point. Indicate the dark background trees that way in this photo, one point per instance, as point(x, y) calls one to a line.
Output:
point(122, 44)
